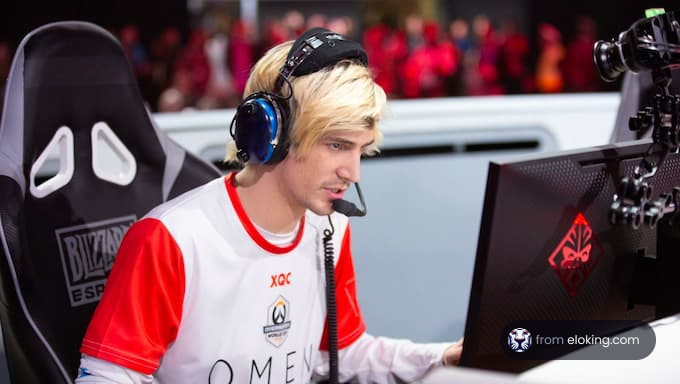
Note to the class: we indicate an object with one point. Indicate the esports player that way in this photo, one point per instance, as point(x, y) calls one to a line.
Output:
point(225, 284)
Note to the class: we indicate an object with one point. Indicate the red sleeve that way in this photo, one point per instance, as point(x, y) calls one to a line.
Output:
point(141, 308)
point(350, 322)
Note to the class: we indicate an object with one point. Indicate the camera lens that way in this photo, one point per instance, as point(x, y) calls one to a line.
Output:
point(608, 60)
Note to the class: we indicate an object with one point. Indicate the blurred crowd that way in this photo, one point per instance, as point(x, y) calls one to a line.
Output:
point(418, 59)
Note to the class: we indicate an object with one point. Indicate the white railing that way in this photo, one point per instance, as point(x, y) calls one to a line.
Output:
point(574, 120)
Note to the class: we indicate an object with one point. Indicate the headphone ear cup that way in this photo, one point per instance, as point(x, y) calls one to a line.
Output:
point(256, 129)
point(282, 140)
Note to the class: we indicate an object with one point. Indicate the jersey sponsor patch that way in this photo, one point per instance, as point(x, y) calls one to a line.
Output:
point(278, 323)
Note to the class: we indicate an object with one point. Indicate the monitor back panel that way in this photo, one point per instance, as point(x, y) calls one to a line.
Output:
point(547, 250)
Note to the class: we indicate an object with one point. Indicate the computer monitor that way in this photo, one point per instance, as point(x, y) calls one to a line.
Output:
point(547, 249)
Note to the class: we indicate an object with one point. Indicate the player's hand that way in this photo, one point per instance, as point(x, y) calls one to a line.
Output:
point(452, 353)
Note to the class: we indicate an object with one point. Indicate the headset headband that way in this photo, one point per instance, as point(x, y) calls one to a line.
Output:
point(318, 48)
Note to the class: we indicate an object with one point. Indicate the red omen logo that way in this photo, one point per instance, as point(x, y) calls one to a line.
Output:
point(576, 256)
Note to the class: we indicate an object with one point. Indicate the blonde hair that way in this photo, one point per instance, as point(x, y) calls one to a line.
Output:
point(343, 96)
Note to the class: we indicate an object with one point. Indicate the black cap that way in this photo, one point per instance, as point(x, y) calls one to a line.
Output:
point(318, 48)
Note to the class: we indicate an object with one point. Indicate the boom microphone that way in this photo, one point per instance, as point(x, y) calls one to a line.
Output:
point(349, 209)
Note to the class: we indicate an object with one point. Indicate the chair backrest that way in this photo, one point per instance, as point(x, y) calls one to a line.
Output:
point(80, 160)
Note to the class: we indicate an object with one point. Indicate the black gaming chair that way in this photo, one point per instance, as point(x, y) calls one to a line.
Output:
point(72, 109)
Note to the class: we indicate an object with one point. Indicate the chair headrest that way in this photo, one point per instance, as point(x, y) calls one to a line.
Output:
point(66, 79)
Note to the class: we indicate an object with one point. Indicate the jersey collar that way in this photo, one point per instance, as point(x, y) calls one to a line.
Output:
point(248, 225)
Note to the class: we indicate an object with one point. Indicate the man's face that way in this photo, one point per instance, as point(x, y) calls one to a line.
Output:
point(325, 173)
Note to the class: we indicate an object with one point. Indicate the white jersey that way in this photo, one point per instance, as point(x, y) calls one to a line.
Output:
point(198, 295)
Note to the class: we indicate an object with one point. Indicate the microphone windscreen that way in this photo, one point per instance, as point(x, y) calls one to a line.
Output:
point(346, 208)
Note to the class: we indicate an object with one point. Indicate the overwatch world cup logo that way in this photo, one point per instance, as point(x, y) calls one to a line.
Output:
point(519, 339)
point(278, 322)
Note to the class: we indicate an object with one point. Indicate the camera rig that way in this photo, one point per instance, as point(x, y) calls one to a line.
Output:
point(651, 43)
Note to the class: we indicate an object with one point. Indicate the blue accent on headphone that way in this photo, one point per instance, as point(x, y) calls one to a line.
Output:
point(272, 136)
point(261, 123)
point(259, 129)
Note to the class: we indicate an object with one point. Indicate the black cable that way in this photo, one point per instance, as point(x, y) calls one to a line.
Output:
point(331, 309)
point(290, 88)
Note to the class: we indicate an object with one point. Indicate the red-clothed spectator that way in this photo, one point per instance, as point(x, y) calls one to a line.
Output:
point(549, 77)
point(386, 50)
point(428, 68)
point(274, 33)
point(513, 58)
point(194, 62)
point(240, 54)
point(294, 24)
point(488, 48)
point(580, 74)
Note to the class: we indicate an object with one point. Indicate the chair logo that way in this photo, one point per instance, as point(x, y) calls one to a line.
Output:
point(87, 253)
point(278, 324)
point(519, 340)
point(576, 255)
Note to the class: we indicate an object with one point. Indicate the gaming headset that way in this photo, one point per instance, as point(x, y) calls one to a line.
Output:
point(261, 123)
